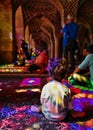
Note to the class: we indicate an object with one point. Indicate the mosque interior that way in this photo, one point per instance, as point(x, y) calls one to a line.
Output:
point(39, 23)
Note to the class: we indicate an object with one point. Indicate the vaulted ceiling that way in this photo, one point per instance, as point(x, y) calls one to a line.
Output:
point(85, 11)
point(85, 18)
point(39, 14)
point(44, 17)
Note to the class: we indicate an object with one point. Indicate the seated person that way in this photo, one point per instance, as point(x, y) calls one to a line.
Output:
point(87, 62)
point(84, 52)
point(86, 70)
point(21, 57)
point(40, 63)
point(55, 96)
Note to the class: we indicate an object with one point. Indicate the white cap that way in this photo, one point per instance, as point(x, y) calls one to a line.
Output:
point(69, 17)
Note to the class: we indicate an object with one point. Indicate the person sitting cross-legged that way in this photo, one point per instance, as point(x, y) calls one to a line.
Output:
point(87, 62)
point(55, 96)
point(40, 63)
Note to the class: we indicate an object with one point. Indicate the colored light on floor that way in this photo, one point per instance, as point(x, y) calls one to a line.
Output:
point(78, 88)
point(31, 82)
point(12, 68)
point(81, 104)
point(28, 90)
point(83, 95)
point(75, 126)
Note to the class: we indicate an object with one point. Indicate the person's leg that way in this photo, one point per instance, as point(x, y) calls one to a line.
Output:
point(72, 59)
point(35, 108)
point(80, 80)
point(66, 53)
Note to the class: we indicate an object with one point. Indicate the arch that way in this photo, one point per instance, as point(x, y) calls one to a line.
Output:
point(81, 2)
point(51, 49)
point(84, 34)
point(85, 23)
point(88, 27)
point(58, 5)
point(28, 17)
point(19, 26)
point(27, 34)
point(56, 43)
point(48, 23)
point(46, 36)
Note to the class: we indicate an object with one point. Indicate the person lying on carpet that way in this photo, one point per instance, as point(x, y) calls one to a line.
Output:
point(55, 96)
point(77, 79)
point(40, 63)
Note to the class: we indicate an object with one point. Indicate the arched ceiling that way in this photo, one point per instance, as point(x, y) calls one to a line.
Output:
point(33, 13)
point(53, 10)
point(50, 8)
point(39, 9)
point(85, 12)
point(35, 28)
point(81, 2)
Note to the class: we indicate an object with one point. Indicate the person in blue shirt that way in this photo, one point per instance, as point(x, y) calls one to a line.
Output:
point(87, 62)
point(70, 31)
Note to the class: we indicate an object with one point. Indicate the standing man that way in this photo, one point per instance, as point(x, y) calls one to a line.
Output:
point(70, 31)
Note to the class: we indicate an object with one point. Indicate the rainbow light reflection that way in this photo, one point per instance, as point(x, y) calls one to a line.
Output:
point(30, 82)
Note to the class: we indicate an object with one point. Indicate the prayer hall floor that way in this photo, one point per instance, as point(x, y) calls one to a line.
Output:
point(18, 91)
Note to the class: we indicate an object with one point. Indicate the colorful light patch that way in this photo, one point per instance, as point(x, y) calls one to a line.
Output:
point(80, 104)
point(12, 68)
point(28, 90)
point(78, 88)
point(6, 112)
point(30, 82)
point(82, 101)
point(20, 116)
point(76, 126)
point(88, 123)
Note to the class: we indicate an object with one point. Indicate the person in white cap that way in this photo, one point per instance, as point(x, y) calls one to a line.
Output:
point(70, 32)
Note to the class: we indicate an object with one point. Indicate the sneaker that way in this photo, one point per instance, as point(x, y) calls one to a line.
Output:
point(35, 108)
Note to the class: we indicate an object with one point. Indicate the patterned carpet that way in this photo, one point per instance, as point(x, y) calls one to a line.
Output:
point(16, 114)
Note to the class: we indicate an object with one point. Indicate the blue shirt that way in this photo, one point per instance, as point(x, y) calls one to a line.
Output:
point(69, 30)
point(88, 62)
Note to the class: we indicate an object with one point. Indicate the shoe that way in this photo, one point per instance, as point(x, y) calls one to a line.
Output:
point(35, 108)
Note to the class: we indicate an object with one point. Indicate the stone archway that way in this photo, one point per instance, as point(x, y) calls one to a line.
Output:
point(85, 31)
point(85, 18)
point(50, 9)
point(19, 26)
point(43, 31)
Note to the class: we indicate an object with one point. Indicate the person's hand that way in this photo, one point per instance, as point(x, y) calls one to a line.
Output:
point(70, 77)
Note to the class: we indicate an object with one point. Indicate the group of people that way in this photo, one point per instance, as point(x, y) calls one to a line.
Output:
point(25, 54)
point(39, 64)
point(29, 53)
point(56, 100)
point(55, 97)
point(70, 33)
